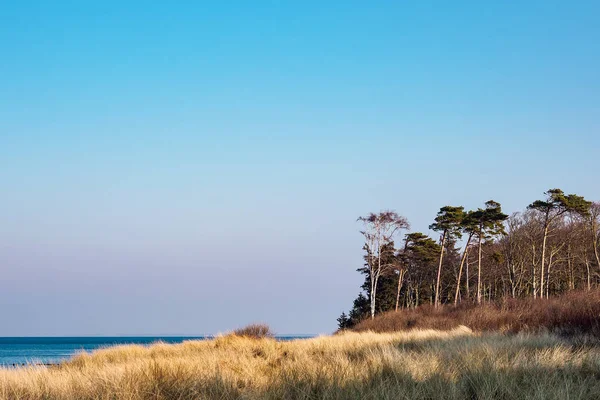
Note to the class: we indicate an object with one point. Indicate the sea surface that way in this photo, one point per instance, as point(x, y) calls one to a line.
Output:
point(15, 351)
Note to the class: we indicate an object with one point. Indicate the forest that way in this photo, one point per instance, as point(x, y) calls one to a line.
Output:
point(550, 248)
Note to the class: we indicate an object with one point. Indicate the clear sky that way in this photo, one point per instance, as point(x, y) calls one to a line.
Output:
point(190, 167)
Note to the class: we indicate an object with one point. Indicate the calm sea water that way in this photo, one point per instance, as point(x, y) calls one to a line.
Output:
point(49, 350)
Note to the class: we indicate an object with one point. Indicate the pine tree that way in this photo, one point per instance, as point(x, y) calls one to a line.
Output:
point(448, 222)
point(489, 223)
point(468, 226)
point(552, 208)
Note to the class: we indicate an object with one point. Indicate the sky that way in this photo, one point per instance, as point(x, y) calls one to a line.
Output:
point(191, 167)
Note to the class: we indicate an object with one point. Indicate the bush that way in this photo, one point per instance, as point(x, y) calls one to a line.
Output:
point(256, 331)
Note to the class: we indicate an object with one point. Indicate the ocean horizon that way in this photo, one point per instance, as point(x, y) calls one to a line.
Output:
point(16, 351)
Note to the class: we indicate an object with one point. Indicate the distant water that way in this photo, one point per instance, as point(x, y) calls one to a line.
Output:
point(50, 350)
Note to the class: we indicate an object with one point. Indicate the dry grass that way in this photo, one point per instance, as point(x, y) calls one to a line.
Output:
point(428, 364)
point(571, 314)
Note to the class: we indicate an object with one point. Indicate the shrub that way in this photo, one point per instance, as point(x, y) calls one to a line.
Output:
point(256, 331)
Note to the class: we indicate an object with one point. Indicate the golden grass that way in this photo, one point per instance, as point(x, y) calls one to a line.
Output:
point(424, 364)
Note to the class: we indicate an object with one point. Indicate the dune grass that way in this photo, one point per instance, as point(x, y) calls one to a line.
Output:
point(425, 364)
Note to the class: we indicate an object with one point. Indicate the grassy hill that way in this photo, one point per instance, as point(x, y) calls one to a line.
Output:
point(419, 364)
point(574, 313)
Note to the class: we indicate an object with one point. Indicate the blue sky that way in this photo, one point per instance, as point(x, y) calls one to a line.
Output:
point(193, 168)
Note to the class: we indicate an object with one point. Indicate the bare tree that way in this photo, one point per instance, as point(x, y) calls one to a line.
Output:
point(514, 248)
point(379, 231)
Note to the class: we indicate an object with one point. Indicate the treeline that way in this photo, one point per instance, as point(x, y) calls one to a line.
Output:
point(550, 248)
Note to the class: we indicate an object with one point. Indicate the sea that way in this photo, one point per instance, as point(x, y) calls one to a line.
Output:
point(18, 351)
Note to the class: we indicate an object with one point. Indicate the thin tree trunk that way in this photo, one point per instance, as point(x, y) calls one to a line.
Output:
point(439, 273)
point(548, 276)
point(570, 268)
point(375, 280)
point(417, 298)
point(400, 279)
point(468, 292)
point(589, 280)
point(373, 290)
point(513, 287)
point(479, 268)
point(373, 295)
point(534, 271)
point(462, 262)
point(543, 261)
point(595, 244)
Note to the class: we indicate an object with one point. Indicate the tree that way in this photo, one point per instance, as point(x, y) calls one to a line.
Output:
point(468, 225)
point(401, 270)
point(379, 231)
point(359, 311)
point(448, 223)
point(388, 281)
point(489, 223)
point(552, 208)
point(344, 322)
point(419, 255)
point(514, 248)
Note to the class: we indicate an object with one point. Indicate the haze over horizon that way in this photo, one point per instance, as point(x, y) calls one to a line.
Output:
point(192, 169)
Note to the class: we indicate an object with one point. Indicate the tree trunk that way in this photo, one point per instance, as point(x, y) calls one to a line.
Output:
point(513, 288)
point(534, 271)
point(468, 292)
point(462, 262)
point(439, 273)
point(400, 278)
point(543, 261)
point(375, 277)
point(571, 282)
point(548, 276)
point(479, 268)
point(373, 293)
point(417, 298)
point(595, 244)
point(589, 280)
